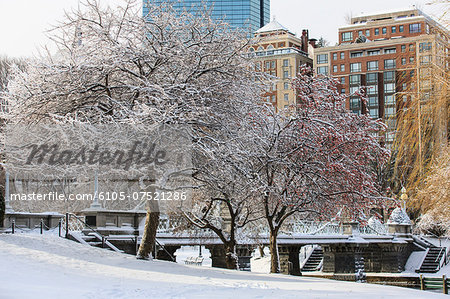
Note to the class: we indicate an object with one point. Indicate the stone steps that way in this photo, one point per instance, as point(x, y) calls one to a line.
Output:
point(313, 261)
point(431, 262)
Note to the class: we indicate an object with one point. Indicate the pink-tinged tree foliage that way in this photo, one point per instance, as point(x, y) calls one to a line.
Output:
point(317, 158)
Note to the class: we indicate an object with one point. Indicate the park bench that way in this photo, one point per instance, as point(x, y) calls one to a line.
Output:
point(430, 283)
point(194, 260)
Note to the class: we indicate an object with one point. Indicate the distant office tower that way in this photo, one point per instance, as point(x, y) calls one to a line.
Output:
point(246, 14)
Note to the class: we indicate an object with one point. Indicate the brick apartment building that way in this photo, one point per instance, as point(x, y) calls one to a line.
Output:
point(280, 53)
point(389, 53)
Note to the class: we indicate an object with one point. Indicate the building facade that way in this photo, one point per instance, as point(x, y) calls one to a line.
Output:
point(280, 53)
point(245, 14)
point(391, 56)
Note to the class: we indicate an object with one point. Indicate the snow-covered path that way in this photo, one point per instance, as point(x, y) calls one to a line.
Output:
point(36, 266)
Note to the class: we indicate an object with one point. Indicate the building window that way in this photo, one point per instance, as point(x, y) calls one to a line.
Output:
point(414, 28)
point(389, 76)
point(411, 59)
point(342, 55)
point(373, 112)
point(322, 58)
point(389, 87)
point(267, 65)
point(355, 67)
point(393, 29)
point(400, 28)
point(411, 47)
point(356, 54)
point(384, 30)
point(389, 111)
point(335, 68)
point(347, 36)
point(286, 97)
point(389, 64)
point(354, 89)
point(367, 32)
point(425, 59)
point(411, 74)
point(390, 51)
point(424, 47)
point(389, 99)
point(322, 70)
point(342, 67)
point(285, 62)
point(286, 85)
point(274, 99)
point(342, 90)
point(373, 52)
point(334, 56)
point(403, 60)
point(360, 32)
point(355, 79)
point(372, 89)
point(342, 80)
point(372, 65)
point(272, 64)
point(354, 103)
point(372, 78)
point(403, 48)
point(373, 101)
point(285, 74)
point(377, 31)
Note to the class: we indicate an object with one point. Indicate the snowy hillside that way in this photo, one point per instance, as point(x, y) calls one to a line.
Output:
point(36, 266)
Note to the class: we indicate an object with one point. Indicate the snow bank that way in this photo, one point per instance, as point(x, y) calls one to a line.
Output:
point(44, 266)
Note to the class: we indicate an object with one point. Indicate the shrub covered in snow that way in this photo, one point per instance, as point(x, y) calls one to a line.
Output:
point(434, 224)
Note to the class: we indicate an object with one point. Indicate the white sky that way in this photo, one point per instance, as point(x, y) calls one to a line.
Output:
point(23, 22)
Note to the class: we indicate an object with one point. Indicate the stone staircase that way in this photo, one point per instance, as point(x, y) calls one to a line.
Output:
point(314, 260)
point(93, 239)
point(432, 260)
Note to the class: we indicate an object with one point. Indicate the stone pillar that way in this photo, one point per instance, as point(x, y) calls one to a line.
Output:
point(400, 230)
point(350, 228)
point(217, 255)
point(244, 253)
point(162, 254)
point(289, 259)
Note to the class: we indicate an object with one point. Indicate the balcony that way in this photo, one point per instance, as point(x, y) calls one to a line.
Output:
point(274, 52)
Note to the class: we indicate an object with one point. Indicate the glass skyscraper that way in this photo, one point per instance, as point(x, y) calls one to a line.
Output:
point(246, 14)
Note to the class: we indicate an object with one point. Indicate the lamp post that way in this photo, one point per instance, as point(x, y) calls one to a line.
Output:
point(404, 197)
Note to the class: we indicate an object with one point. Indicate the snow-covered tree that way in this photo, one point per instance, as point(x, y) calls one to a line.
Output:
point(115, 66)
point(434, 197)
point(316, 158)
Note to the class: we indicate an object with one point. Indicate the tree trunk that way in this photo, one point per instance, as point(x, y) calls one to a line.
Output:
point(261, 250)
point(231, 258)
point(149, 235)
point(151, 226)
point(274, 258)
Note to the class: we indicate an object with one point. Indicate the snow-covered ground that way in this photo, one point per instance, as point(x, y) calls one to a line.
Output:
point(45, 266)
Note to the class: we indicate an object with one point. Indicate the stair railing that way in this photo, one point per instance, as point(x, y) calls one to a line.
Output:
point(445, 259)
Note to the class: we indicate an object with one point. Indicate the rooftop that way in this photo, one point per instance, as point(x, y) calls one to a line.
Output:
point(272, 26)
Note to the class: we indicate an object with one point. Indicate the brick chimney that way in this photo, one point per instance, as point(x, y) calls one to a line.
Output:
point(304, 40)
